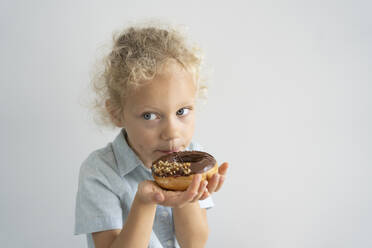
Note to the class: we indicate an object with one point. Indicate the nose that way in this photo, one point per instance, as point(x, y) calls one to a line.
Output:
point(170, 130)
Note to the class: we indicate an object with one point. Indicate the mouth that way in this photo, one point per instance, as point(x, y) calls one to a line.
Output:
point(169, 151)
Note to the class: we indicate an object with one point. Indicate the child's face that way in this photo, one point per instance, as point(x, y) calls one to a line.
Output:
point(159, 115)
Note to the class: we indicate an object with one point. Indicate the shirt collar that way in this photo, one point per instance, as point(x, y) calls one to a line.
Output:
point(126, 158)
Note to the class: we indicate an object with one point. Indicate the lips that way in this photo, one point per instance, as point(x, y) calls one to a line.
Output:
point(167, 151)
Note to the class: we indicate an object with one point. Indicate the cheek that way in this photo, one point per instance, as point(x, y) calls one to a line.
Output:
point(191, 131)
point(189, 126)
point(146, 138)
point(141, 137)
point(191, 121)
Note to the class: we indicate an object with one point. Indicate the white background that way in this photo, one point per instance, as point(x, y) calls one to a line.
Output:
point(289, 108)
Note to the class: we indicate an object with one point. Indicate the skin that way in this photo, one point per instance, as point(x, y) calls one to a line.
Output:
point(159, 118)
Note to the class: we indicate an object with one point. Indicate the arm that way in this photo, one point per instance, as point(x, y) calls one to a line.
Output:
point(190, 221)
point(136, 230)
point(191, 225)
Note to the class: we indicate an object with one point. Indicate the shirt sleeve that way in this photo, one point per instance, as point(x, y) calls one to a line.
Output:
point(98, 208)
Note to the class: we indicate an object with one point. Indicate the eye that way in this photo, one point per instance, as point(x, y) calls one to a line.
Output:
point(149, 116)
point(183, 111)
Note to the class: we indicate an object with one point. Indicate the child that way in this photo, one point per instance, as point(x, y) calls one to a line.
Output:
point(148, 89)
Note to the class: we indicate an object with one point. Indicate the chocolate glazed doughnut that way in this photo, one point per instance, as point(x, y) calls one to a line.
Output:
point(176, 170)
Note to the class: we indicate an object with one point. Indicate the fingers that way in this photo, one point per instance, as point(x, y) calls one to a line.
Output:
point(223, 168)
point(193, 189)
point(181, 198)
point(202, 188)
point(196, 191)
point(220, 183)
point(222, 171)
point(217, 180)
point(213, 183)
point(205, 194)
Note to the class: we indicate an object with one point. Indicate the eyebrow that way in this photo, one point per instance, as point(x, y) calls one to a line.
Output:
point(141, 107)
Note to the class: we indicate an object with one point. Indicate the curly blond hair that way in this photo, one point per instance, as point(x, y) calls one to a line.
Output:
point(137, 54)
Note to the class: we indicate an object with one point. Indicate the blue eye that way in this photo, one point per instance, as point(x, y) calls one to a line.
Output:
point(149, 116)
point(183, 111)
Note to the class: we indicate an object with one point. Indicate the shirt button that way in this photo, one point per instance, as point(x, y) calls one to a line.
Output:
point(170, 243)
point(164, 214)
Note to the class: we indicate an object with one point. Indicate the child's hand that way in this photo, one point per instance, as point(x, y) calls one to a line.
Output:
point(216, 182)
point(149, 192)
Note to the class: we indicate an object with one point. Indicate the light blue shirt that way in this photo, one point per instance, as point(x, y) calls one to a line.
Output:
point(108, 181)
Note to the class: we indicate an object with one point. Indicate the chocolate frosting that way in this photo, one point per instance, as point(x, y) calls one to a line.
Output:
point(200, 161)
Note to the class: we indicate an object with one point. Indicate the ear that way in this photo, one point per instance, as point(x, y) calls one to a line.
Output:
point(115, 114)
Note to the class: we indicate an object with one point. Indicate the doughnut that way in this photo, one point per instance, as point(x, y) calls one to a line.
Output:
point(175, 171)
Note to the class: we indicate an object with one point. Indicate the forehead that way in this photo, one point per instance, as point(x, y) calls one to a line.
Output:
point(172, 87)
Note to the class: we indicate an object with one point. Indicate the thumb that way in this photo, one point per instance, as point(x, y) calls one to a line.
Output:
point(158, 197)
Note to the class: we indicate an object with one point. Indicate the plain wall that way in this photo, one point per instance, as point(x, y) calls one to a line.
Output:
point(289, 107)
